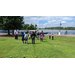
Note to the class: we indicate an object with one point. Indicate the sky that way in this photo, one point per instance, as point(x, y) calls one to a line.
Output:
point(50, 21)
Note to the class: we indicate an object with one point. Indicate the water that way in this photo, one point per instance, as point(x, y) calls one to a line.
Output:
point(62, 32)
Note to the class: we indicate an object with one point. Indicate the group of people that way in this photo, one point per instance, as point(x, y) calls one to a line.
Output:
point(33, 35)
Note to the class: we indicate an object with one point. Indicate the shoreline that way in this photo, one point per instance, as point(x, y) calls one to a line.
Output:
point(8, 36)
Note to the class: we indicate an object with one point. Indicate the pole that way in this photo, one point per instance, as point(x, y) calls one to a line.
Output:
point(38, 22)
point(59, 28)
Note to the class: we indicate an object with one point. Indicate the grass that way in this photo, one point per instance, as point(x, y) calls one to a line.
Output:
point(60, 47)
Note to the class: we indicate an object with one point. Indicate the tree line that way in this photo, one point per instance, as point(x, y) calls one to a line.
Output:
point(62, 28)
point(29, 27)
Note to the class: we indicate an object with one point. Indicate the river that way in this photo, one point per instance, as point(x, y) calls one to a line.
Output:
point(55, 32)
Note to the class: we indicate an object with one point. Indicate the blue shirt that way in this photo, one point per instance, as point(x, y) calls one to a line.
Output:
point(22, 35)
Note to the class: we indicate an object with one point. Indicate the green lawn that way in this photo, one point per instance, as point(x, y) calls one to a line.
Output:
point(60, 47)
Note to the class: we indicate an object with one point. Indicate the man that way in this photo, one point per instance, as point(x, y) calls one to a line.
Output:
point(33, 35)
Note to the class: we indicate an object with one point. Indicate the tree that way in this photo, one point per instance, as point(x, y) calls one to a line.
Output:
point(26, 27)
point(11, 22)
point(35, 26)
point(31, 27)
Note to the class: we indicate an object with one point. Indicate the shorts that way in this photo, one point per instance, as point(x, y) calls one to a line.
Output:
point(26, 38)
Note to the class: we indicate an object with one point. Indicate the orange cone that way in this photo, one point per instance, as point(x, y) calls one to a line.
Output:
point(70, 35)
point(35, 56)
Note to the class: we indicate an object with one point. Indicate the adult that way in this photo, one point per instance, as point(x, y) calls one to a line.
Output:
point(33, 35)
point(23, 37)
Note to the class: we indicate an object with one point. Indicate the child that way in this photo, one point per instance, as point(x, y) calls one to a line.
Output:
point(41, 37)
point(23, 37)
point(24, 33)
point(29, 36)
point(52, 37)
point(15, 35)
point(38, 36)
point(49, 36)
point(26, 38)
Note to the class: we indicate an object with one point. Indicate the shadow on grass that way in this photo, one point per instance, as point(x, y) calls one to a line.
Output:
point(35, 43)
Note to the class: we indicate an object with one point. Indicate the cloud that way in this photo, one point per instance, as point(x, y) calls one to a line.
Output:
point(63, 22)
point(52, 21)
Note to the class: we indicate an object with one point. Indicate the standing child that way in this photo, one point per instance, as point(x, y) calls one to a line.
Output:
point(38, 36)
point(41, 37)
point(52, 37)
point(26, 38)
point(29, 36)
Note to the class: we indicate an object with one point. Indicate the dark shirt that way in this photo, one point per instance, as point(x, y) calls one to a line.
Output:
point(37, 33)
point(33, 36)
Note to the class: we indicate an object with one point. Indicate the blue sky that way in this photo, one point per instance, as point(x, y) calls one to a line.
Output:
point(50, 21)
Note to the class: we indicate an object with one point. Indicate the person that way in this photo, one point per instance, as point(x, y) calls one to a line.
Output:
point(15, 35)
point(26, 38)
point(52, 37)
point(23, 37)
point(41, 37)
point(24, 33)
point(49, 36)
point(33, 35)
point(29, 36)
point(38, 36)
